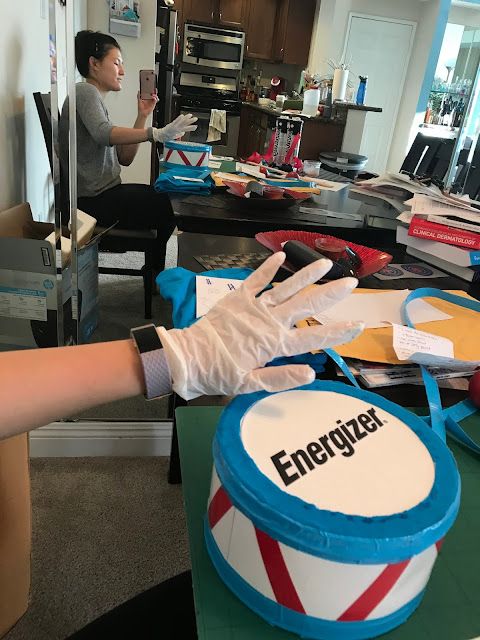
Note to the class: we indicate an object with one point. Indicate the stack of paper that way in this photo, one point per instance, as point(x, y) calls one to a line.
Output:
point(408, 347)
point(443, 231)
point(395, 188)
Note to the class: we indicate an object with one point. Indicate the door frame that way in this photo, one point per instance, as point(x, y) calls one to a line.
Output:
point(411, 23)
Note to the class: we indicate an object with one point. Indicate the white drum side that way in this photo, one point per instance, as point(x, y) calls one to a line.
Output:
point(187, 157)
point(317, 587)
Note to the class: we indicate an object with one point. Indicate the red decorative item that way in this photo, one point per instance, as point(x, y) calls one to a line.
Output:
point(277, 86)
point(474, 389)
point(269, 192)
point(255, 157)
point(237, 188)
point(372, 259)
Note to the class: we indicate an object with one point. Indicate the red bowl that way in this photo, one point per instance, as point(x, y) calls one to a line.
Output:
point(372, 259)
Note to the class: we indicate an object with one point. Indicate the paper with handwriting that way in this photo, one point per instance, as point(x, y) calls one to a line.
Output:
point(211, 290)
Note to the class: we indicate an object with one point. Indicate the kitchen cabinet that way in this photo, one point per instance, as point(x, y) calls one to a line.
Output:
point(260, 29)
point(293, 33)
point(232, 13)
point(225, 13)
point(257, 123)
point(253, 131)
point(200, 11)
point(275, 30)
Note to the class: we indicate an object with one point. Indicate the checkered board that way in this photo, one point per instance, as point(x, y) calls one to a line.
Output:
point(228, 260)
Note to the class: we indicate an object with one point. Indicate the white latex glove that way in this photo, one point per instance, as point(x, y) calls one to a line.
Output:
point(175, 129)
point(224, 352)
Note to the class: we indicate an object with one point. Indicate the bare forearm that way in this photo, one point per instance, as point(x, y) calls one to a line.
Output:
point(127, 151)
point(43, 385)
point(128, 135)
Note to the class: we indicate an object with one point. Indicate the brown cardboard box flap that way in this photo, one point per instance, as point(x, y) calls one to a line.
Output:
point(18, 222)
point(15, 530)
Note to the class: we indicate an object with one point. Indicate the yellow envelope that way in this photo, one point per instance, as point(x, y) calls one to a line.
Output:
point(376, 345)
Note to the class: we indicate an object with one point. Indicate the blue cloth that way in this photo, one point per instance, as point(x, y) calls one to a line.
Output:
point(170, 181)
point(178, 286)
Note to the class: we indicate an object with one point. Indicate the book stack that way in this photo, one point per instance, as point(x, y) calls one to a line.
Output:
point(443, 232)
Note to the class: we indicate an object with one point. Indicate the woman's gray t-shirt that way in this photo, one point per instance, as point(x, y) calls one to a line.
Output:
point(98, 168)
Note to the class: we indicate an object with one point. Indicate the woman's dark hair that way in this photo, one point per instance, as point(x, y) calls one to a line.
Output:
point(92, 43)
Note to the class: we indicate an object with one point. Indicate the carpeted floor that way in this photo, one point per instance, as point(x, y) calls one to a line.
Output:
point(120, 308)
point(104, 529)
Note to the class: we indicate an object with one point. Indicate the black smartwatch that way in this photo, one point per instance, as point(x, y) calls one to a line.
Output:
point(158, 381)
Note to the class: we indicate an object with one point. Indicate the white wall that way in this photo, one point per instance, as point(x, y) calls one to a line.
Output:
point(25, 68)
point(329, 38)
point(137, 53)
point(470, 17)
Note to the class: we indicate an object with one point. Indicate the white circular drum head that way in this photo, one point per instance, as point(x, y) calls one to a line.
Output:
point(338, 452)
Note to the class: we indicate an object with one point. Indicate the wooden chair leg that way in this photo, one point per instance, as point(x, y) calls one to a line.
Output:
point(148, 290)
point(174, 470)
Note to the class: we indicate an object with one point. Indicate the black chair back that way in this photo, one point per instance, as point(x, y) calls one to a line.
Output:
point(42, 102)
point(429, 156)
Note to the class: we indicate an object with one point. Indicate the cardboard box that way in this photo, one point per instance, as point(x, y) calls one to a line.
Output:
point(28, 281)
point(15, 530)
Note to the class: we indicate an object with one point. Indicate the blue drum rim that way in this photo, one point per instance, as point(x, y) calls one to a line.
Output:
point(304, 625)
point(192, 168)
point(328, 534)
point(181, 146)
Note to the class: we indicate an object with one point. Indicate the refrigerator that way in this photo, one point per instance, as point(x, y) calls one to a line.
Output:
point(166, 50)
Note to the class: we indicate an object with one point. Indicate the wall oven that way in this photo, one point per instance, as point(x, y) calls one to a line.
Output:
point(213, 47)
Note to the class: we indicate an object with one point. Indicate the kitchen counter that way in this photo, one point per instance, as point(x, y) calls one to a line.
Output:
point(356, 107)
point(339, 109)
point(342, 132)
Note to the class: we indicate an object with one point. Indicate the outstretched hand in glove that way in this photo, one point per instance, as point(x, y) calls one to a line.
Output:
point(226, 351)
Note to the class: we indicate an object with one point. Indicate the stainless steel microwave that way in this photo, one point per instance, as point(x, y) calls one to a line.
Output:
point(213, 47)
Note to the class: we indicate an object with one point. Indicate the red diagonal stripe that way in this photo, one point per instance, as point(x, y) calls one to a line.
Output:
point(375, 593)
point(218, 507)
point(199, 163)
point(439, 544)
point(184, 158)
point(169, 153)
point(277, 571)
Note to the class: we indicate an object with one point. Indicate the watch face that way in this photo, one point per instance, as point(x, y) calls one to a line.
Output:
point(147, 338)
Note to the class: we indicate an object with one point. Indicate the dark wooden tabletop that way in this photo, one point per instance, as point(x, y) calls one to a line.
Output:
point(358, 218)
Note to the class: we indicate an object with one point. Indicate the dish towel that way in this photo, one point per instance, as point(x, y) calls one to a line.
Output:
point(217, 125)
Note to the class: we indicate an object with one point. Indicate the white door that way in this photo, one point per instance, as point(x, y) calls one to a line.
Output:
point(380, 49)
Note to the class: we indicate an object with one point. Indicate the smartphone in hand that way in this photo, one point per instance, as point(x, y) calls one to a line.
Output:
point(147, 84)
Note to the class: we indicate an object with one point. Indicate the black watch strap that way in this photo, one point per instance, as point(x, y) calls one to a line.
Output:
point(158, 381)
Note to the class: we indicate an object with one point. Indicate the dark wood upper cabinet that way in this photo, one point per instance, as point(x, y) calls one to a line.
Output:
point(200, 10)
point(260, 29)
point(276, 30)
point(232, 13)
point(293, 31)
point(226, 13)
